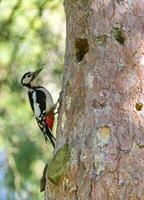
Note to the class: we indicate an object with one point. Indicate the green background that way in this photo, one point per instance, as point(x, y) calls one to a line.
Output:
point(32, 35)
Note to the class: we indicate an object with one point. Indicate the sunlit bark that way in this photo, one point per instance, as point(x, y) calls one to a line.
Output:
point(100, 137)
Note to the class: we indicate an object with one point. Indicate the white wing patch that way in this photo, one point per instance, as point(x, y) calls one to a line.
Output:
point(36, 105)
point(49, 100)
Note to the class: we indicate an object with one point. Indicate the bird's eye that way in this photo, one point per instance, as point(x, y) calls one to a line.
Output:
point(28, 75)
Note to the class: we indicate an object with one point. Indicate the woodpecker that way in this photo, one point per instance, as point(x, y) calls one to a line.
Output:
point(41, 103)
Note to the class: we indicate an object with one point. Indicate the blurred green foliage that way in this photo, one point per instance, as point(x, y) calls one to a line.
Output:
point(32, 35)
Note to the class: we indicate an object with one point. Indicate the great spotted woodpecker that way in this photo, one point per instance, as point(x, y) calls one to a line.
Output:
point(41, 103)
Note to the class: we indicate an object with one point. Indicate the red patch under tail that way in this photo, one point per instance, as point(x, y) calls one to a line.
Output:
point(49, 120)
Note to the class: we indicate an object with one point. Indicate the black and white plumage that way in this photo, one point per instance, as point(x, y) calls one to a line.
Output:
point(41, 103)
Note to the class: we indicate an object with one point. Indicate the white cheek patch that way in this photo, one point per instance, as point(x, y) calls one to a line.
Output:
point(26, 80)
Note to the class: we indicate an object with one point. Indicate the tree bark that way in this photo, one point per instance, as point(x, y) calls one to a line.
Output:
point(100, 137)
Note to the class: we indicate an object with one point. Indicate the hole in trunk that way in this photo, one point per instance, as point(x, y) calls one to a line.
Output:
point(139, 106)
point(81, 48)
point(119, 35)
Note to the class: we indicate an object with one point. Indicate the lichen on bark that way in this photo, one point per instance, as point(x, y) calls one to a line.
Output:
point(101, 40)
point(59, 164)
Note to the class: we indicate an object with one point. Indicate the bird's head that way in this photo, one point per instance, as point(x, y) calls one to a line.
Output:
point(29, 78)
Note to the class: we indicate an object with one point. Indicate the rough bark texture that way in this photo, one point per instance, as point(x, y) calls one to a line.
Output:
point(100, 137)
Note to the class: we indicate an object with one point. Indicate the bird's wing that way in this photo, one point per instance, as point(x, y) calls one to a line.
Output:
point(38, 103)
point(31, 100)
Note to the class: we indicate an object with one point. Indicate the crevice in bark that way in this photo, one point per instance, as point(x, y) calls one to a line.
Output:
point(120, 1)
point(81, 48)
point(93, 183)
point(78, 163)
point(76, 194)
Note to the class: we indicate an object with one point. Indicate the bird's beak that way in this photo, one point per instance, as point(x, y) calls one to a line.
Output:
point(37, 72)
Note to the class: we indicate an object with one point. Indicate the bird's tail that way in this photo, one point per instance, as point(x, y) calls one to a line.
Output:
point(48, 135)
point(46, 132)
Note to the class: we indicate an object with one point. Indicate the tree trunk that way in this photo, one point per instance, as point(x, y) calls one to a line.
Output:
point(100, 137)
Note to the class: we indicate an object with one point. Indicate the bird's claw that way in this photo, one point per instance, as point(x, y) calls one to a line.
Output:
point(60, 96)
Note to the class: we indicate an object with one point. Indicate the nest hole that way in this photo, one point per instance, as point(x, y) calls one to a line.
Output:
point(81, 48)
